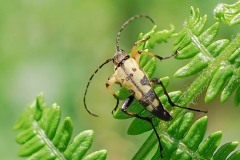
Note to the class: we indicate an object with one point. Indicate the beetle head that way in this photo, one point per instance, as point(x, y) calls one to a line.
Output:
point(120, 57)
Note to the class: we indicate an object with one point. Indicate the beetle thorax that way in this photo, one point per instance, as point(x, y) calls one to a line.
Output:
point(119, 58)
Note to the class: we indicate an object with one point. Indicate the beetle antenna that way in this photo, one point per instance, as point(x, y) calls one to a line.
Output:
point(125, 24)
point(84, 98)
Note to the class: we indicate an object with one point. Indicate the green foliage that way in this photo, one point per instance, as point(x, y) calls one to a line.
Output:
point(217, 63)
point(228, 13)
point(41, 136)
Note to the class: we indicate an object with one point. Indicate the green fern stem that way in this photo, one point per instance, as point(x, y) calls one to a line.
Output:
point(41, 133)
point(143, 151)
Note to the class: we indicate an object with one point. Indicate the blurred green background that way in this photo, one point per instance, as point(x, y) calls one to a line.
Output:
point(54, 46)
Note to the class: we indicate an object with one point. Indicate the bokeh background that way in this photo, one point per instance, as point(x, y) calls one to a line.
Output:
point(54, 46)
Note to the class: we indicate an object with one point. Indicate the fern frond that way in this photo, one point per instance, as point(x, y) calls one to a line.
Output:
point(182, 138)
point(217, 62)
point(41, 136)
point(228, 13)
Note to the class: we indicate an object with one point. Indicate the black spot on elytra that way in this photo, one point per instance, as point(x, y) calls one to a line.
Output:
point(122, 80)
point(143, 102)
point(150, 95)
point(144, 80)
point(134, 69)
point(132, 92)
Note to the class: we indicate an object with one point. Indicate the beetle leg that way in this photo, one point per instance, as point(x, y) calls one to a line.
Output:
point(111, 81)
point(124, 108)
point(157, 81)
point(157, 56)
point(136, 53)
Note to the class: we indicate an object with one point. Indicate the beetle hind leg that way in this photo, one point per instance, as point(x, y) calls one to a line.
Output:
point(124, 108)
point(157, 81)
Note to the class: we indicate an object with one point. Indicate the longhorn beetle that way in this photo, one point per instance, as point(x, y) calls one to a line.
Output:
point(129, 74)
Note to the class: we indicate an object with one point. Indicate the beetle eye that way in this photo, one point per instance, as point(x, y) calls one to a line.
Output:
point(121, 51)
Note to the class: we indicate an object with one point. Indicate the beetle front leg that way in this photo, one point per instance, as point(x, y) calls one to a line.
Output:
point(111, 81)
point(157, 81)
point(124, 108)
point(136, 53)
